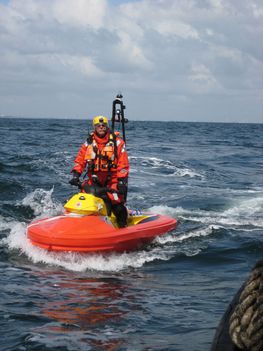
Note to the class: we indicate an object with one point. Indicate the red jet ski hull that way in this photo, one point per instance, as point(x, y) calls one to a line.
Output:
point(95, 233)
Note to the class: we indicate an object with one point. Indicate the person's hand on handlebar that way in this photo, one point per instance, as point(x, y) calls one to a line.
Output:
point(75, 178)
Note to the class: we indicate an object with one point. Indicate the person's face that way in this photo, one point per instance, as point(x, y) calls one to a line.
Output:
point(101, 129)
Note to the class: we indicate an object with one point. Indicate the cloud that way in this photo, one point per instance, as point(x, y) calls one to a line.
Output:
point(202, 80)
point(164, 54)
point(80, 13)
point(77, 13)
point(257, 9)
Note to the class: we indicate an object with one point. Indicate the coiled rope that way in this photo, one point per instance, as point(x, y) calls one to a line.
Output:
point(246, 321)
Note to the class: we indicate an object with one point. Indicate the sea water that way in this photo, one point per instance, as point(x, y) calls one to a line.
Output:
point(169, 296)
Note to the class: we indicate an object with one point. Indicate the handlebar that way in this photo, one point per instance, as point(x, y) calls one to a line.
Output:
point(95, 189)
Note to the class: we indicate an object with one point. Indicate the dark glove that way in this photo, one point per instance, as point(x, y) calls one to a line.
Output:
point(90, 189)
point(75, 178)
point(122, 186)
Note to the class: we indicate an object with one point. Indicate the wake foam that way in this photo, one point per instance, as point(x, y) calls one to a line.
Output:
point(242, 214)
point(245, 212)
point(17, 240)
point(196, 233)
point(158, 163)
point(158, 251)
point(41, 202)
point(43, 205)
point(6, 223)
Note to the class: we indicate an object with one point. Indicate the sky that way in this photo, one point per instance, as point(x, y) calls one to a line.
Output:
point(173, 60)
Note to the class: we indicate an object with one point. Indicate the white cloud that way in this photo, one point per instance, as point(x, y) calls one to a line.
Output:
point(77, 13)
point(179, 29)
point(132, 52)
point(202, 79)
point(218, 5)
point(80, 64)
point(84, 13)
point(257, 9)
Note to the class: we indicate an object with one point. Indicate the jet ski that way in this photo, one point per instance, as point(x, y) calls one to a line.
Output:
point(85, 226)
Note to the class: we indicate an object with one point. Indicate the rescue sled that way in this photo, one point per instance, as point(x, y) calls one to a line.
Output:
point(86, 227)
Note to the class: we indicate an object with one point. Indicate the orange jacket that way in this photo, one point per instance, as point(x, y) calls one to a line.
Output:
point(104, 157)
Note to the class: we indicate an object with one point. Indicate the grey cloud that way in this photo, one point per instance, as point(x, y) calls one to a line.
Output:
point(192, 60)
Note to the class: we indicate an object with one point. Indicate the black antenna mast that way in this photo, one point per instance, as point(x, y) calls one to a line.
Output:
point(118, 114)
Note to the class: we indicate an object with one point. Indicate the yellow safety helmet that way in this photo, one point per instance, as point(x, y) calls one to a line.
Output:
point(100, 120)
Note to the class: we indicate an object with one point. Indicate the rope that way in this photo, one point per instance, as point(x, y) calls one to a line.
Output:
point(246, 321)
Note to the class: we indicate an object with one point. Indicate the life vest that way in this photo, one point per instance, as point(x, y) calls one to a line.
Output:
point(102, 159)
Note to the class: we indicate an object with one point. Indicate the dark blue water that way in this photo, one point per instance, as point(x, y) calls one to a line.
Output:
point(169, 296)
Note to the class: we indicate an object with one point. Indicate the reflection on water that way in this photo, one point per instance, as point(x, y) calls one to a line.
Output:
point(94, 311)
point(86, 303)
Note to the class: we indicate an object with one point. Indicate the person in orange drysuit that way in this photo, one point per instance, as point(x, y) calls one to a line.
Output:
point(105, 156)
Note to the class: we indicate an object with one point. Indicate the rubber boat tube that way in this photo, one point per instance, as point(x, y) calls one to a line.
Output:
point(96, 233)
